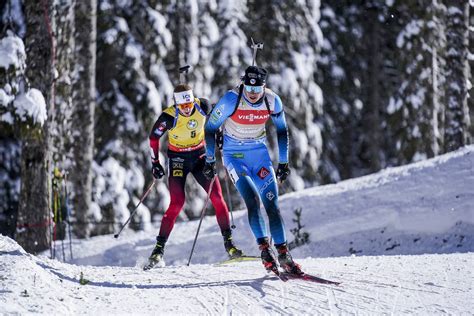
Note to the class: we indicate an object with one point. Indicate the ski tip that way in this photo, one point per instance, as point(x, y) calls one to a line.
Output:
point(278, 274)
point(282, 277)
point(312, 278)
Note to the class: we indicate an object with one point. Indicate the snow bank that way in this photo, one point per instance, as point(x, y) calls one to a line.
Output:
point(425, 207)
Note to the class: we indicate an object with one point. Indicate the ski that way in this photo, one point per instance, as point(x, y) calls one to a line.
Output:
point(240, 259)
point(308, 277)
point(279, 274)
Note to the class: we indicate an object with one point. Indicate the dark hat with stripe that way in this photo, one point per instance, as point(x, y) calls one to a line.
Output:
point(255, 76)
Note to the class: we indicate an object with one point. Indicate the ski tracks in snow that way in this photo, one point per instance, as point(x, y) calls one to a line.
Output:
point(429, 284)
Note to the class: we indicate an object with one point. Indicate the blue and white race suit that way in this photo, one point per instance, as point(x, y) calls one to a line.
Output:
point(246, 156)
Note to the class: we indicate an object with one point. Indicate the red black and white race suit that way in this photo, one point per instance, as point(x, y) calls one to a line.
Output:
point(186, 154)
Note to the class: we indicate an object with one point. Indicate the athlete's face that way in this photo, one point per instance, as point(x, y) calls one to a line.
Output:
point(254, 93)
point(186, 108)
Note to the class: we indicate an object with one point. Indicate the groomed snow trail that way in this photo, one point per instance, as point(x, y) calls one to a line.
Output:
point(411, 227)
point(420, 284)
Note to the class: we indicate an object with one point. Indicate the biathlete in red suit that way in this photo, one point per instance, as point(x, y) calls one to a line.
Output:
point(184, 121)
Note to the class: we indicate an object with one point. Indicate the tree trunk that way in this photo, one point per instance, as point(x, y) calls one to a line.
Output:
point(470, 101)
point(84, 108)
point(371, 119)
point(61, 136)
point(34, 208)
point(457, 74)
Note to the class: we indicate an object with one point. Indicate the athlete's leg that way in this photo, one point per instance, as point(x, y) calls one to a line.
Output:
point(238, 174)
point(176, 182)
point(264, 178)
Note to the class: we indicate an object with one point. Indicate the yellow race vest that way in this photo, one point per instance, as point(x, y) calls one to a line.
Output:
point(188, 132)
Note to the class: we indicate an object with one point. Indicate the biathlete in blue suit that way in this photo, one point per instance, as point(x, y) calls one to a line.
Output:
point(243, 113)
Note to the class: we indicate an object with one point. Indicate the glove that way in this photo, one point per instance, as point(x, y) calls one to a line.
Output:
point(209, 169)
point(157, 170)
point(283, 171)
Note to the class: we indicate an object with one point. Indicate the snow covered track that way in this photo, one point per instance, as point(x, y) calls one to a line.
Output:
point(403, 238)
point(423, 284)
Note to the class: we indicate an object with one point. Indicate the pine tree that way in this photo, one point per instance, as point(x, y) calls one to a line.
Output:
point(63, 99)
point(84, 94)
point(11, 80)
point(357, 71)
point(133, 85)
point(371, 129)
point(34, 207)
point(340, 79)
point(470, 99)
point(415, 111)
point(457, 74)
point(232, 53)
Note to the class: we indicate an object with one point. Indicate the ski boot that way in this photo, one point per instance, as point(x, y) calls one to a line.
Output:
point(268, 257)
point(286, 261)
point(230, 248)
point(156, 257)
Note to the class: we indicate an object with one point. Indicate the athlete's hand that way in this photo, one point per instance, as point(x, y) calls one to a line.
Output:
point(283, 171)
point(157, 169)
point(209, 169)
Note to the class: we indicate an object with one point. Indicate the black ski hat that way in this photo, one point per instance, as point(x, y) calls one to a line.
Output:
point(255, 76)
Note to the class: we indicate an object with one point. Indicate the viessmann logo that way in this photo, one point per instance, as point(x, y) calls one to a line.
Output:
point(252, 117)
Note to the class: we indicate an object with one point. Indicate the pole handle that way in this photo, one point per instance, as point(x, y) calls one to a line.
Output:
point(255, 47)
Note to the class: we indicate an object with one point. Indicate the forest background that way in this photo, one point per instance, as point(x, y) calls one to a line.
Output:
point(366, 85)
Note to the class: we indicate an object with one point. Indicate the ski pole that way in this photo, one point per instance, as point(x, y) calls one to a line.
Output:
point(227, 188)
point(68, 214)
point(136, 207)
point(229, 199)
point(202, 217)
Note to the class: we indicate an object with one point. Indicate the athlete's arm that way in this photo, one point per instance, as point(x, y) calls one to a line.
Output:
point(223, 109)
point(162, 124)
point(278, 118)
